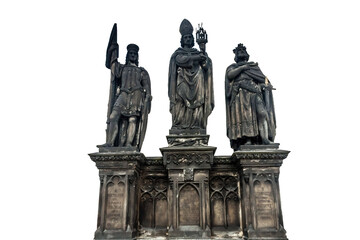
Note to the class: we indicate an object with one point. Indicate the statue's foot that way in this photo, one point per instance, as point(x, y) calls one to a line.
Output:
point(104, 145)
point(266, 141)
point(248, 142)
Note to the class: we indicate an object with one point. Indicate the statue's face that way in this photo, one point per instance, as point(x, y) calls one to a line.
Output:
point(133, 56)
point(188, 38)
point(241, 56)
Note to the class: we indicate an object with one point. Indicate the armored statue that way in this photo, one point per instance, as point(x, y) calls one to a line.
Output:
point(250, 115)
point(129, 98)
point(190, 82)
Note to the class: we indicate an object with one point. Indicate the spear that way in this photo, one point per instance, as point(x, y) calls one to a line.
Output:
point(112, 53)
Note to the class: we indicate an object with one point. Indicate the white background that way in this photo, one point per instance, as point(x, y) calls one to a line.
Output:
point(54, 93)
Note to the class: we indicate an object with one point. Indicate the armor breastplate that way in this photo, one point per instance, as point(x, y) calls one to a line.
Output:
point(130, 78)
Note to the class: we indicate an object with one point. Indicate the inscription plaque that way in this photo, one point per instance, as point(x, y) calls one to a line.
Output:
point(115, 205)
point(265, 208)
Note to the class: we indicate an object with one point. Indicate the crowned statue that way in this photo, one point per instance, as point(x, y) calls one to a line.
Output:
point(250, 114)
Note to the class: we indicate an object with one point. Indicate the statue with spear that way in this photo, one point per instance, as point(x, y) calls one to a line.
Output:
point(129, 98)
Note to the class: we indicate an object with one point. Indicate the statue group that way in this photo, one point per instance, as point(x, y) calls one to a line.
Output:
point(250, 116)
point(188, 192)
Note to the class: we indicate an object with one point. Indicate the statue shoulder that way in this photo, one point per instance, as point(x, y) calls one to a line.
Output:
point(232, 66)
point(144, 72)
point(178, 51)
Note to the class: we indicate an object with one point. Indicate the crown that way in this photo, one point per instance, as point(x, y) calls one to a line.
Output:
point(186, 27)
point(201, 35)
point(240, 46)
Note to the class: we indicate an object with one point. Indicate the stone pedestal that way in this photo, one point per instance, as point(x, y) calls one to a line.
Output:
point(261, 206)
point(118, 200)
point(188, 195)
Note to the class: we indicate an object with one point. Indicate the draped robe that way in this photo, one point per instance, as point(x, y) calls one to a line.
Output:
point(190, 90)
point(244, 96)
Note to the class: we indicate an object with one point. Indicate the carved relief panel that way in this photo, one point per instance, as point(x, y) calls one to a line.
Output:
point(115, 210)
point(265, 214)
point(225, 202)
point(153, 202)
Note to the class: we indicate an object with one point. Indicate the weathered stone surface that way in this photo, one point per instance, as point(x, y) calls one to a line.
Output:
point(250, 113)
point(261, 205)
point(190, 193)
point(119, 173)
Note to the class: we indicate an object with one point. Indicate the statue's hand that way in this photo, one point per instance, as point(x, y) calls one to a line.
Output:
point(266, 86)
point(245, 67)
point(236, 87)
point(202, 57)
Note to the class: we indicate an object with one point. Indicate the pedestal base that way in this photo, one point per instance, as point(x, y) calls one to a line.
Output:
point(261, 205)
point(119, 172)
point(272, 146)
point(190, 232)
point(189, 203)
point(114, 234)
point(188, 193)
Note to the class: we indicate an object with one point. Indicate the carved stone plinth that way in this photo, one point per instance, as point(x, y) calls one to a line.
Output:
point(187, 140)
point(188, 196)
point(117, 216)
point(261, 205)
point(190, 193)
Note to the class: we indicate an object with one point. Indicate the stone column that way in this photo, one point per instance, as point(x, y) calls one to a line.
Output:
point(118, 201)
point(260, 193)
point(188, 193)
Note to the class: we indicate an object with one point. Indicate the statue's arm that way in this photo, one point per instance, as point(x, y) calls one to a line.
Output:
point(233, 72)
point(145, 82)
point(183, 60)
point(112, 62)
point(187, 60)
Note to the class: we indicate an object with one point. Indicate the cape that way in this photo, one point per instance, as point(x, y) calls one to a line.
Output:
point(257, 76)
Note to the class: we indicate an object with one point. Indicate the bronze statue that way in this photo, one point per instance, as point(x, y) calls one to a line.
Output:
point(250, 115)
point(190, 82)
point(129, 100)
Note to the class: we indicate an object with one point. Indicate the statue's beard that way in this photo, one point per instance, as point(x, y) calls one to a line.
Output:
point(243, 58)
